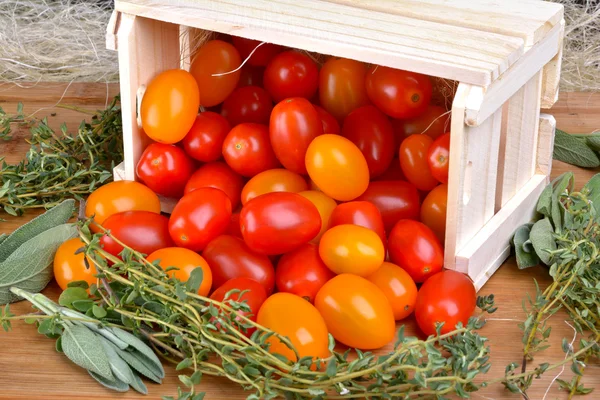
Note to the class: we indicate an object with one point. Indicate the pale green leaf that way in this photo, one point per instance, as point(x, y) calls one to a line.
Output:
point(542, 239)
point(141, 347)
point(113, 384)
point(85, 349)
point(573, 150)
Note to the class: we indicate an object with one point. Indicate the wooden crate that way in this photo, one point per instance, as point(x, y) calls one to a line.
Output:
point(504, 54)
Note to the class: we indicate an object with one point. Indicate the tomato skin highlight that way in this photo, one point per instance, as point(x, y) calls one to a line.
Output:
point(70, 267)
point(448, 297)
point(291, 74)
point(342, 86)
point(433, 211)
point(273, 180)
point(415, 248)
point(361, 213)
point(399, 288)
point(330, 124)
point(414, 163)
point(247, 104)
point(325, 205)
point(262, 55)
point(438, 158)
point(165, 169)
point(247, 149)
point(186, 261)
point(356, 312)
point(278, 222)
point(204, 141)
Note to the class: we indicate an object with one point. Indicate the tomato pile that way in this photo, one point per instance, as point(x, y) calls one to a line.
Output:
point(318, 191)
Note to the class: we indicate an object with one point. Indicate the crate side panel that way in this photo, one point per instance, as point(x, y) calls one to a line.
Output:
point(551, 75)
point(545, 147)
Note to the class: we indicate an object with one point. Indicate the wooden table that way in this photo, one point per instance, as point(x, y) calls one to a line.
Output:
point(31, 369)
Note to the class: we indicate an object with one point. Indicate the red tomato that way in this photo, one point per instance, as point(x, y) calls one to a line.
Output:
point(251, 76)
point(273, 180)
point(165, 169)
point(204, 141)
point(370, 130)
point(432, 122)
point(447, 297)
point(229, 257)
point(395, 200)
point(217, 175)
point(185, 261)
point(324, 204)
point(199, 217)
point(247, 149)
point(330, 124)
point(216, 57)
point(438, 158)
point(433, 211)
point(415, 248)
point(398, 93)
point(278, 222)
point(302, 272)
point(234, 226)
point(398, 287)
point(248, 104)
point(342, 86)
point(413, 161)
point(294, 124)
point(291, 74)
point(393, 173)
point(361, 213)
point(262, 54)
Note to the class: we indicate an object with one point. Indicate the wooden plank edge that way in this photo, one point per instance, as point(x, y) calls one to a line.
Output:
point(112, 27)
point(551, 74)
point(545, 147)
point(166, 203)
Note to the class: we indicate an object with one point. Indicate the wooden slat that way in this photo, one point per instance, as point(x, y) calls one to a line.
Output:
point(545, 147)
point(551, 79)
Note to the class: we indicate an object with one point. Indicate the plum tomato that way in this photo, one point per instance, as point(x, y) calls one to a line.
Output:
point(217, 175)
point(165, 169)
point(398, 93)
point(371, 131)
point(434, 122)
point(414, 163)
point(433, 211)
point(204, 141)
point(292, 316)
point(356, 312)
point(415, 248)
point(278, 222)
point(169, 106)
point(342, 86)
point(251, 76)
point(247, 104)
point(294, 124)
point(361, 213)
point(273, 180)
point(233, 228)
point(337, 167)
point(330, 124)
point(247, 149)
point(302, 272)
point(393, 173)
point(291, 74)
point(398, 287)
point(448, 297)
point(185, 261)
point(324, 204)
point(395, 200)
point(199, 217)
point(70, 267)
point(351, 249)
point(215, 57)
point(261, 56)
point(438, 157)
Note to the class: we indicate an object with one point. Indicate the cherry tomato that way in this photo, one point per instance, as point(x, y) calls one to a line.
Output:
point(361, 213)
point(395, 200)
point(433, 211)
point(278, 222)
point(291, 74)
point(337, 167)
point(393, 173)
point(356, 312)
point(143, 231)
point(447, 297)
point(371, 131)
point(70, 267)
point(398, 93)
point(217, 175)
point(263, 53)
point(294, 124)
point(216, 57)
point(251, 76)
point(185, 261)
point(119, 196)
point(342, 86)
point(413, 161)
point(398, 287)
point(165, 169)
point(415, 248)
point(199, 217)
point(438, 157)
point(234, 226)
point(169, 106)
point(432, 122)
point(325, 205)
point(273, 180)
point(247, 104)
point(292, 316)
point(247, 149)
point(351, 249)
point(204, 141)
point(330, 124)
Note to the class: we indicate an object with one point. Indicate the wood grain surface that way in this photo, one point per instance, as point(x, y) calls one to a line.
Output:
point(31, 369)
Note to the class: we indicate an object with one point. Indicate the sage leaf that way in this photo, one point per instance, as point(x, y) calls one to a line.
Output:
point(95, 326)
point(141, 347)
point(593, 141)
point(85, 349)
point(71, 294)
point(143, 366)
point(138, 385)
point(573, 150)
point(195, 279)
point(3, 236)
point(544, 204)
point(593, 185)
point(542, 239)
point(561, 184)
point(110, 383)
point(118, 366)
point(526, 257)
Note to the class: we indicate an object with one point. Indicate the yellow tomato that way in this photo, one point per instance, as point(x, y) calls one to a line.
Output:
point(273, 180)
point(185, 261)
point(70, 267)
point(351, 249)
point(398, 287)
point(337, 167)
point(325, 205)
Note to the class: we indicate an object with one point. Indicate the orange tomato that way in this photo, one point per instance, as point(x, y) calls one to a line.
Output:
point(398, 287)
point(337, 167)
point(413, 161)
point(119, 196)
point(325, 205)
point(70, 267)
point(292, 316)
point(273, 180)
point(185, 261)
point(356, 312)
point(351, 249)
point(433, 211)
point(169, 106)
point(342, 86)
